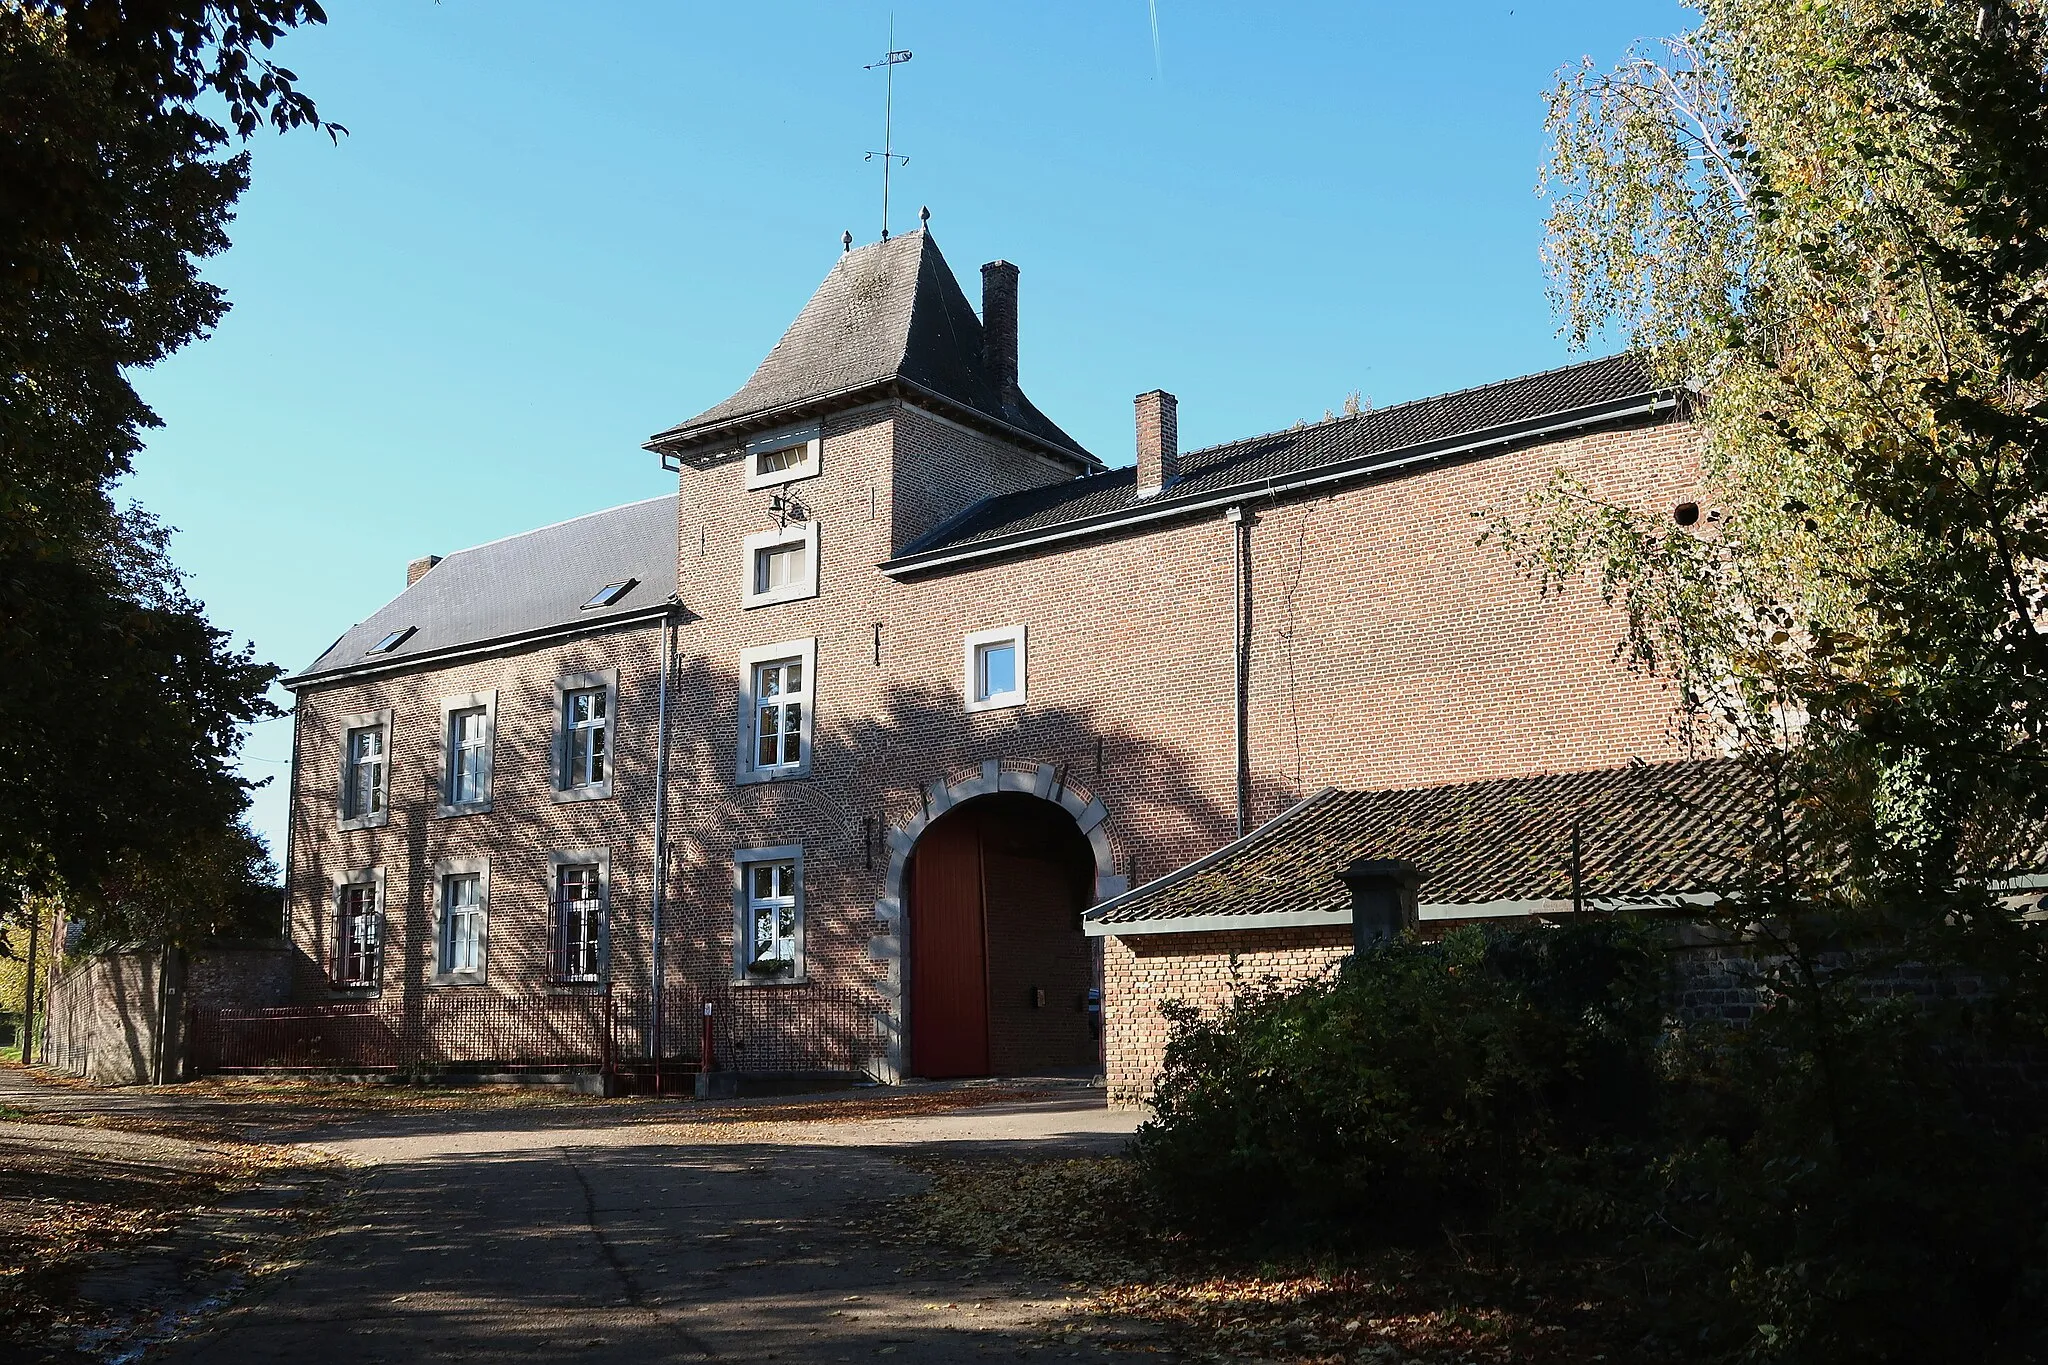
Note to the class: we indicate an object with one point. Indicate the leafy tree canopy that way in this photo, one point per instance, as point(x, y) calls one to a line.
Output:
point(120, 704)
point(1831, 223)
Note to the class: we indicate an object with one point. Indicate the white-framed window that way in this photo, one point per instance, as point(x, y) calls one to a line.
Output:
point(783, 456)
point(768, 904)
point(462, 921)
point(995, 668)
point(359, 929)
point(580, 906)
point(780, 565)
point(586, 733)
point(777, 687)
point(364, 798)
point(468, 736)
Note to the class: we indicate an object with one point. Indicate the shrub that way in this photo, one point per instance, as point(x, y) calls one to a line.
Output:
point(1850, 1178)
point(1429, 1085)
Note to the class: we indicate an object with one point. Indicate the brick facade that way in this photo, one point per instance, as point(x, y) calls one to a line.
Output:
point(1387, 648)
point(1143, 972)
point(524, 824)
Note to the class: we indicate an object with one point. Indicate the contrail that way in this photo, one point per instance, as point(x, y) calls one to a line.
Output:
point(1158, 67)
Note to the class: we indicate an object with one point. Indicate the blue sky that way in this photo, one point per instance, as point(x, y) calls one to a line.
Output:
point(556, 229)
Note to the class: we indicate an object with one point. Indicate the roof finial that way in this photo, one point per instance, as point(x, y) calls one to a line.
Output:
point(846, 241)
point(924, 217)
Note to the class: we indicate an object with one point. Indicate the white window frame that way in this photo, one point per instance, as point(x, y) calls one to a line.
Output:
point(600, 858)
point(970, 677)
point(809, 437)
point(608, 680)
point(803, 533)
point(805, 652)
point(486, 702)
point(446, 870)
point(346, 817)
point(373, 878)
point(743, 862)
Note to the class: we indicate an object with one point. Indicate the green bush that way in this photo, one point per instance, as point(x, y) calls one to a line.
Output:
point(1429, 1085)
point(1850, 1178)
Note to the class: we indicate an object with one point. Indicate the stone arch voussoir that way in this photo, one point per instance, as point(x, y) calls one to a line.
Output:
point(935, 798)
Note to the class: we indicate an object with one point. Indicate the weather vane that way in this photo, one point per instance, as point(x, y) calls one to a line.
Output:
point(895, 58)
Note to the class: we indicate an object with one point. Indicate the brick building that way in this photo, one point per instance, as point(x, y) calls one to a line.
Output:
point(900, 682)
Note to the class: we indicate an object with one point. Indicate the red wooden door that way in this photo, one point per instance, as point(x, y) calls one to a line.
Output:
point(948, 954)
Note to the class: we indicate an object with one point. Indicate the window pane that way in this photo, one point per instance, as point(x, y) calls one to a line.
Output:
point(764, 881)
point(597, 756)
point(785, 879)
point(793, 732)
point(998, 670)
point(768, 680)
point(793, 675)
point(775, 461)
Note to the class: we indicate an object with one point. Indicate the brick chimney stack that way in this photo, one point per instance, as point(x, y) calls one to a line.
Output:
point(1158, 442)
point(417, 570)
point(999, 328)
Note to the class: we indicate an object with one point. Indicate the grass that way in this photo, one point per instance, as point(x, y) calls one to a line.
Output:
point(1092, 1224)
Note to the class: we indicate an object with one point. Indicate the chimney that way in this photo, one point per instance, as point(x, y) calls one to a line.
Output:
point(1382, 899)
point(1158, 442)
point(417, 570)
point(999, 329)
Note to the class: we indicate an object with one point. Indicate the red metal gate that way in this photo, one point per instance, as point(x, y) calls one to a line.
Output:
point(948, 953)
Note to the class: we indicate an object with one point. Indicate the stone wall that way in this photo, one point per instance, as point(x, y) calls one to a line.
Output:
point(120, 1018)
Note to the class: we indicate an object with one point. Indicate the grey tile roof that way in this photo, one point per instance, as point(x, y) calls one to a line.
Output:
point(1648, 830)
point(1394, 433)
point(522, 585)
point(887, 312)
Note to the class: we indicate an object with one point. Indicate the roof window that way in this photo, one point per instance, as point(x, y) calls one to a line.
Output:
point(610, 593)
point(392, 641)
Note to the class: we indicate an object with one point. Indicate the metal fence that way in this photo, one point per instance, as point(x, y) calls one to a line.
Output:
point(799, 1028)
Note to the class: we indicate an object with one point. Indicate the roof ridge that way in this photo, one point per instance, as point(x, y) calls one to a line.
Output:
point(553, 525)
point(1446, 396)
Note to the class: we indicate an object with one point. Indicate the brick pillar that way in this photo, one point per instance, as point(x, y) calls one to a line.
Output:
point(1158, 441)
point(999, 328)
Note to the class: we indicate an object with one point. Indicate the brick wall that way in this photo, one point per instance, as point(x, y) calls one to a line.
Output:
point(523, 825)
point(1144, 971)
point(1389, 649)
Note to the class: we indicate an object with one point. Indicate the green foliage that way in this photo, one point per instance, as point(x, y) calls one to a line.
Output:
point(1419, 1089)
point(121, 706)
point(1856, 1176)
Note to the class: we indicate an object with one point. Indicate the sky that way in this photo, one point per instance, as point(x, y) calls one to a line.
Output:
point(553, 230)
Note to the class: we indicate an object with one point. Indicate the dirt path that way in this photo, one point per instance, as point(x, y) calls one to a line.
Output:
point(638, 1232)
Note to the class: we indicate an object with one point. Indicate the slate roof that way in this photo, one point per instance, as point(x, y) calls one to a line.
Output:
point(1604, 389)
point(520, 586)
point(1661, 829)
point(887, 313)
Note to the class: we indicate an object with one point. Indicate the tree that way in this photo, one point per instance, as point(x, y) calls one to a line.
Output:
point(120, 704)
point(1830, 223)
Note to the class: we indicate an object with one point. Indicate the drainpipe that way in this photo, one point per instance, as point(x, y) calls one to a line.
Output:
point(1241, 521)
point(668, 650)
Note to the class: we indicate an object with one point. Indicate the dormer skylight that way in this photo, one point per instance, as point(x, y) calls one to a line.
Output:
point(610, 593)
point(392, 641)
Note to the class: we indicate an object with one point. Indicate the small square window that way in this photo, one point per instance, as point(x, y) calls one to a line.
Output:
point(610, 593)
point(995, 669)
point(782, 457)
point(781, 565)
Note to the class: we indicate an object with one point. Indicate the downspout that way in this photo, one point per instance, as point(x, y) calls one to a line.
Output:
point(1241, 521)
point(291, 809)
point(657, 973)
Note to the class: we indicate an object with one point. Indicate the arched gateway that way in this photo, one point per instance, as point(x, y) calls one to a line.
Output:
point(985, 967)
